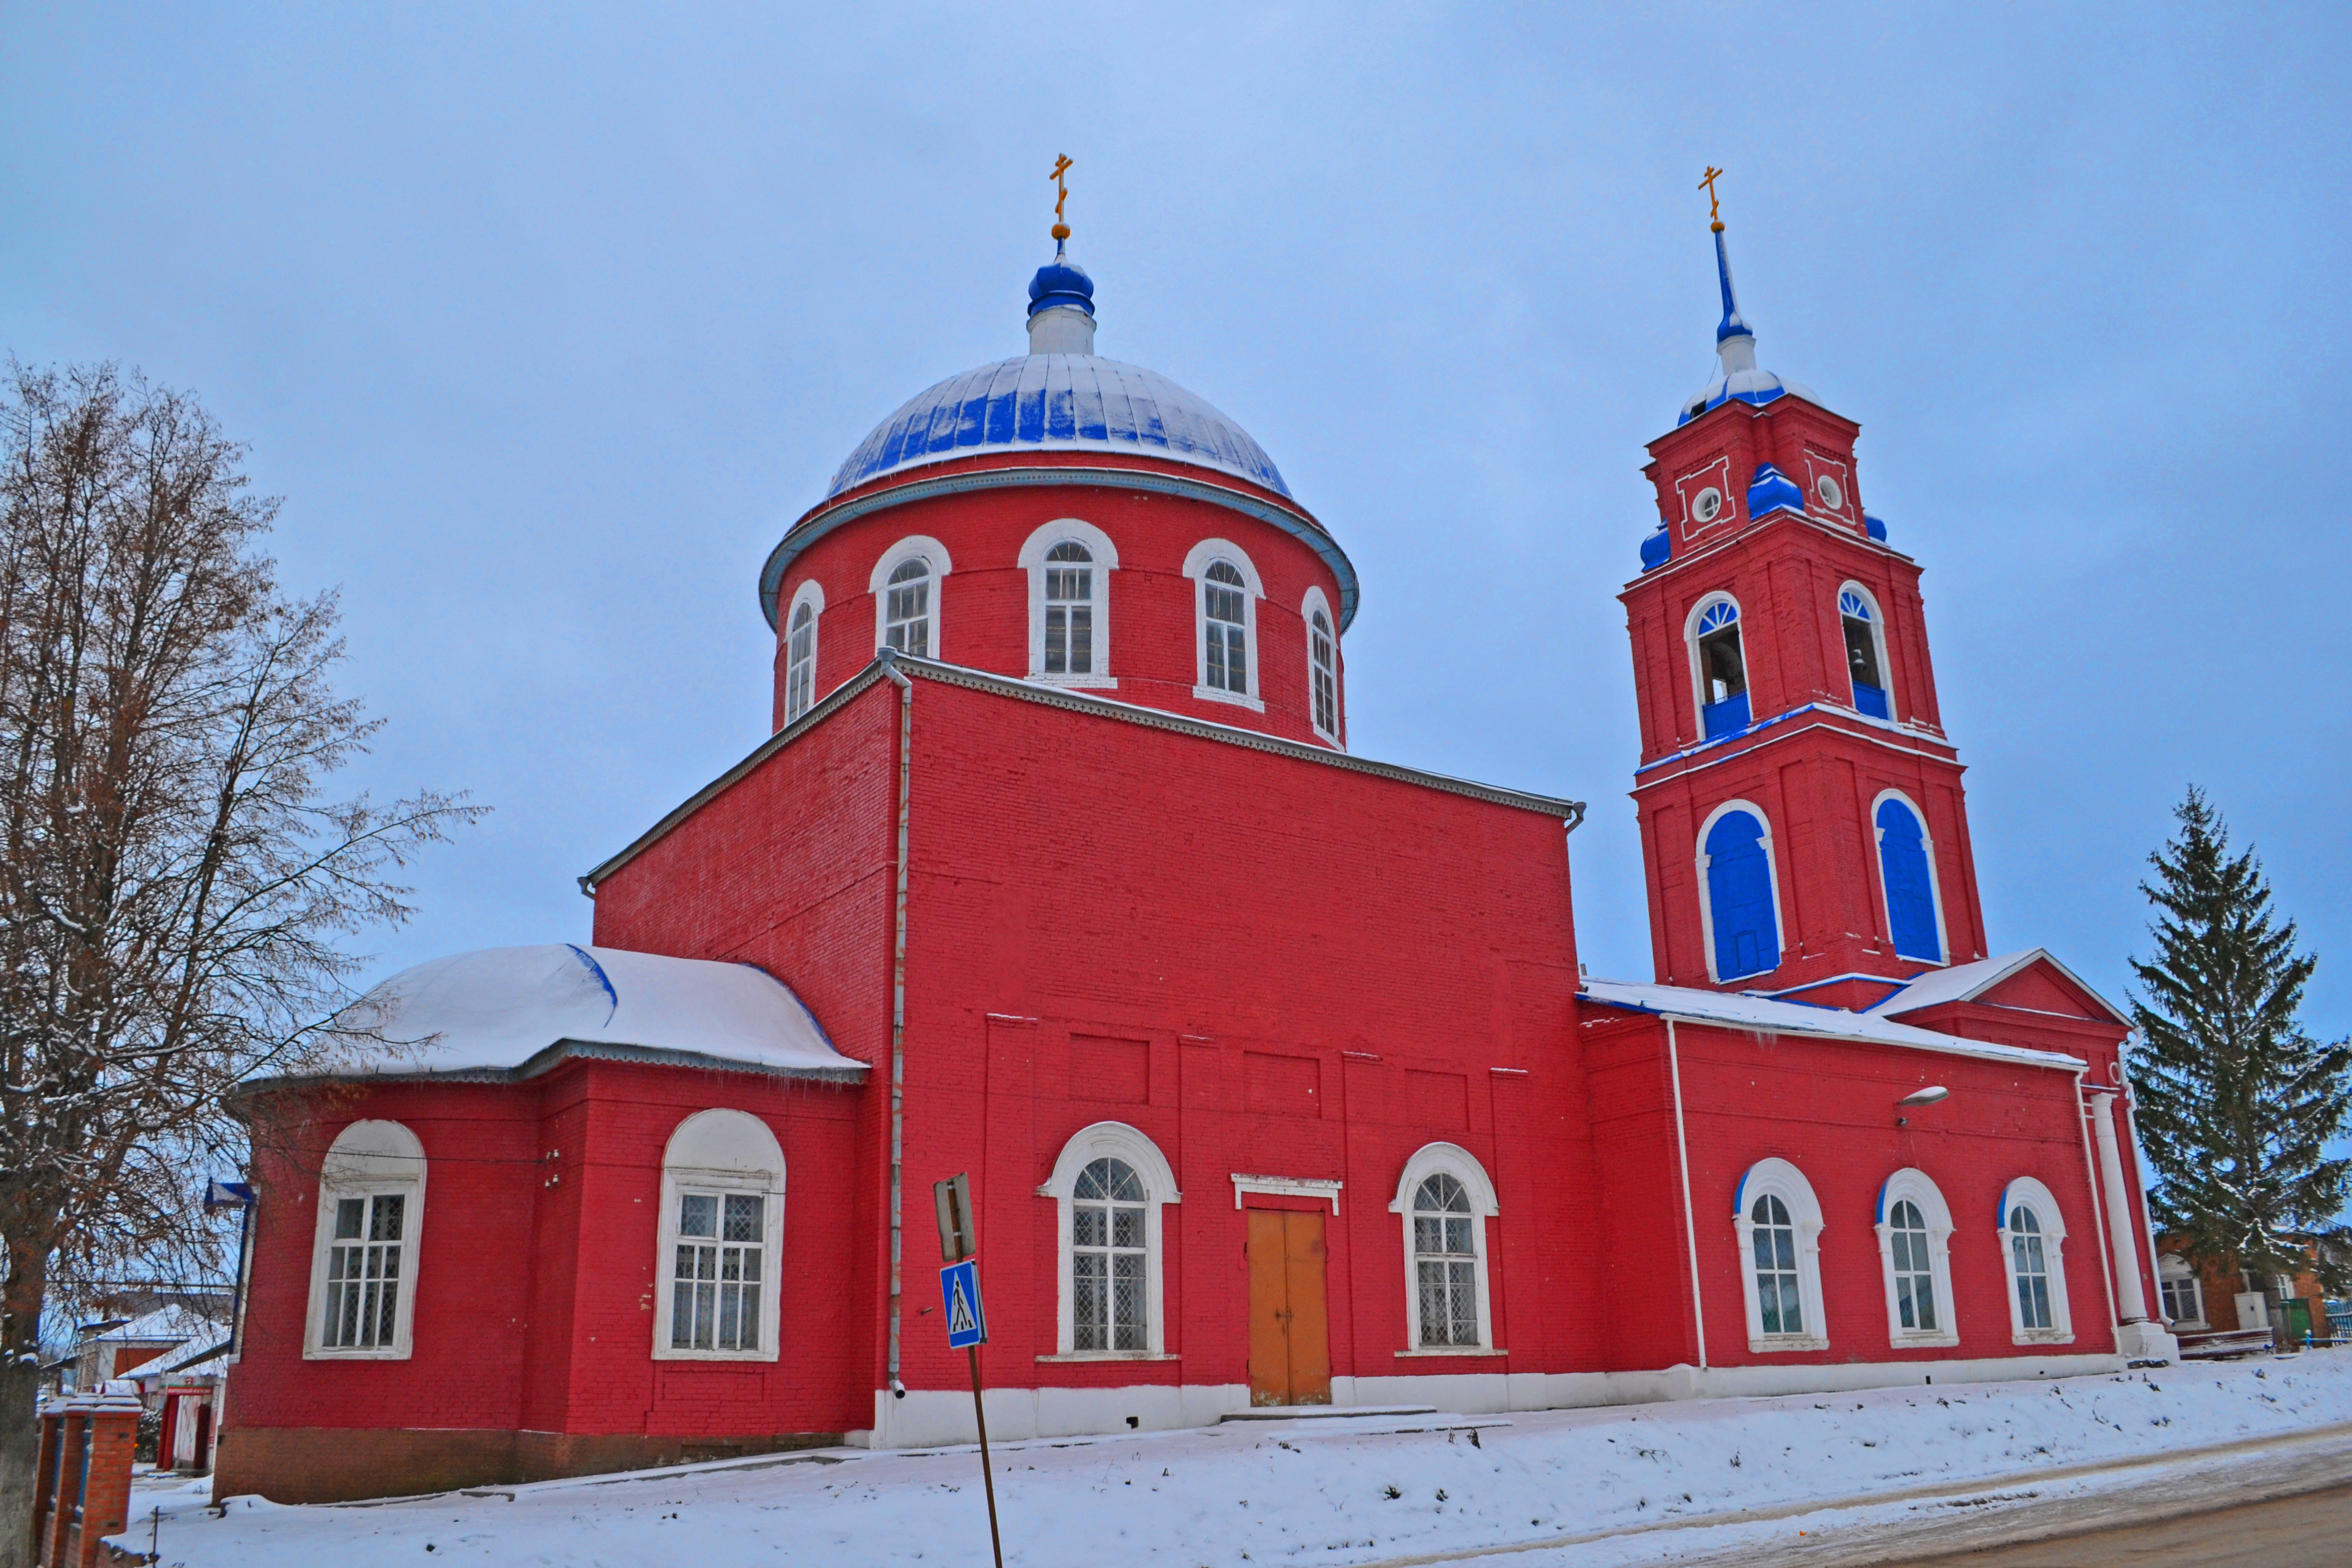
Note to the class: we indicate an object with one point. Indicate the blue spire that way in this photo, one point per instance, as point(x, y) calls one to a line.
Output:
point(1733, 326)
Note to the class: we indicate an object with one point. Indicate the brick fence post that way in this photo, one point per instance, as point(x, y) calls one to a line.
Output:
point(44, 1475)
point(65, 1497)
point(106, 1491)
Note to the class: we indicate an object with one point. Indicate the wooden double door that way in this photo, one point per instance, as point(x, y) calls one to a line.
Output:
point(1290, 1330)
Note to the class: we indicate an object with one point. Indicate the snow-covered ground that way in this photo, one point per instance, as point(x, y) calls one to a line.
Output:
point(1341, 1492)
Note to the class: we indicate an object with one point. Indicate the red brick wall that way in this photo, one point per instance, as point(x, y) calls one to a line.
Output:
point(1179, 906)
point(1153, 631)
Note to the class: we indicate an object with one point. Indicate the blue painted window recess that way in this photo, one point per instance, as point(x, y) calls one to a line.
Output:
point(1910, 892)
point(1722, 672)
point(1862, 656)
point(1739, 898)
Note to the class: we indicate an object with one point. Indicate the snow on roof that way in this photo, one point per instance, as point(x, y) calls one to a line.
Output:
point(1966, 981)
point(496, 1009)
point(175, 1323)
point(1058, 402)
point(1764, 1016)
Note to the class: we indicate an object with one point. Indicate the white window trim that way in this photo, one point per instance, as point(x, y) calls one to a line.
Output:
point(365, 1159)
point(1196, 567)
point(1690, 656)
point(1919, 1188)
point(812, 594)
point(1707, 890)
point(2033, 1195)
point(1070, 531)
point(1785, 1182)
point(935, 555)
point(2172, 1266)
point(722, 1151)
point(1935, 882)
point(1877, 637)
point(1114, 1140)
point(1463, 1165)
point(1313, 601)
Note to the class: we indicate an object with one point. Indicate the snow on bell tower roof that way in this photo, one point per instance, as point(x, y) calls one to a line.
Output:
point(1740, 380)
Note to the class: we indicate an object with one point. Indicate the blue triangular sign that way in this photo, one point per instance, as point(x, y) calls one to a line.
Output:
point(960, 1321)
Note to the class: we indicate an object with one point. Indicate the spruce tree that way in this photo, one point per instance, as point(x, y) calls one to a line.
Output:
point(2235, 1101)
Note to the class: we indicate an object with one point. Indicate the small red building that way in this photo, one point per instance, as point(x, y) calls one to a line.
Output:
point(1274, 1067)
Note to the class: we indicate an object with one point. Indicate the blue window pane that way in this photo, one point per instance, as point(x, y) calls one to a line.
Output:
point(1910, 895)
point(1739, 898)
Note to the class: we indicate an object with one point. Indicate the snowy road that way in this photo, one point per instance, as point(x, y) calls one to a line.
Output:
point(1887, 1471)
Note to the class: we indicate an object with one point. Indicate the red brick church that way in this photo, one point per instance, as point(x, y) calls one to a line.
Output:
point(1273, 1065)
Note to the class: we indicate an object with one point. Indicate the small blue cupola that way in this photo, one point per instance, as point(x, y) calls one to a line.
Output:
point(1772, 491)
point(1657, 550)
point(1061, 307)
point(1740, 380)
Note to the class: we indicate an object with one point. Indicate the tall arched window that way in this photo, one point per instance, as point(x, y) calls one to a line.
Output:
point(1742, 907)
point(1107, 1259)
point(1109, 1186)
point(800, 649)
point(1069, 563)
point(2032, 1237)
point(364, 1263)
point(1322, 666)
point(1778, 1222)
point(1720, 667)
point(906, 616)
point(1223, 601)
point(1865, 658)
point(1227, 608)
point(1915, 1231)
point(906, 585)
point(1446, 1198)
point(1906, 871)
point(721, 1240)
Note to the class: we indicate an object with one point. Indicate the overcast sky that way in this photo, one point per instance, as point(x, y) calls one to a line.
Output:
point(546, 322)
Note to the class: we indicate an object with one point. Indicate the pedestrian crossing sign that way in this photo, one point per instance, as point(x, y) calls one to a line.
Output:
point(967, 1319)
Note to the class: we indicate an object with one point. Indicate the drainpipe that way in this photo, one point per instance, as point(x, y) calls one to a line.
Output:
point(1690, 1231)
point(890, 658)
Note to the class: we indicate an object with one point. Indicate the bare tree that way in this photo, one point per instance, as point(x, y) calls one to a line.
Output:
point(173, 885)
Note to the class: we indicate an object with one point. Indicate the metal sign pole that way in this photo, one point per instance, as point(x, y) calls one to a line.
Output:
point(987, 1472)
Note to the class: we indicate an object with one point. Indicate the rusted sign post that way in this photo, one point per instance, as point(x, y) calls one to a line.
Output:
point(967, 1319)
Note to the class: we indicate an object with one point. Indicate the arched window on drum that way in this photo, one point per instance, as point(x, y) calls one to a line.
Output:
point(1742, 904)
point(1906, 870)
point(1720, 667)
point(1865, 652)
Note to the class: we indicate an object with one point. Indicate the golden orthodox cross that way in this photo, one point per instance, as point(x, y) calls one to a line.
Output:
point(1714, 209)
point(1061, 166)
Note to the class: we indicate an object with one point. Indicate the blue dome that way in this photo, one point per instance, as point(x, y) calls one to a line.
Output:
point(1058, 403)
point(1061, 282)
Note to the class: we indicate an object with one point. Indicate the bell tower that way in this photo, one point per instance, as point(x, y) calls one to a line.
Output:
point(1803, 827)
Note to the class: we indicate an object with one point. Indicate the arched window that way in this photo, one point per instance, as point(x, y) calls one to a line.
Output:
point(2184, 1296)
point(1906, 871)
point(1778, 1222)
point(1719, 666)
point(721, 1240)
point(1109, 1186)
point(364, 1263)
point(906, 585)
point(1865, 653)
point(1742, 907)
point(1322, 666)
point(1915, 1232)
point(1069, 564)
point(1227, 608)
point(2032, 1237)
point(1446, 1198)
point(1107, 1259)
point(800, 649)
